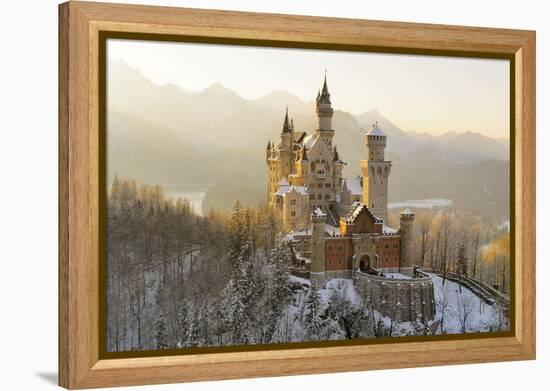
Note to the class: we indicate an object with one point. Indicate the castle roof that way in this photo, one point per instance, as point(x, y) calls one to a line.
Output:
point(283, 182)
point(388, 230)
point(324, 96)
point(353, 185)
point(302, 190)
point(376, 131)
point(287, 128)
point(357, 209)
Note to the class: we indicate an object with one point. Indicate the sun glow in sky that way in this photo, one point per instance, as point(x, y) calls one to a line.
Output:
point(418, 93)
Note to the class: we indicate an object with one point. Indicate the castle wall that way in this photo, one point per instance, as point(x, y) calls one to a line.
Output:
point(338, 253)
point(388, 250)
point(403, 300)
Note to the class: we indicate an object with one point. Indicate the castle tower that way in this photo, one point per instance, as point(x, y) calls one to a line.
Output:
point(268, 152)
point(324, 114)
point(375, 172)
point(406, 226)
point(337, 165)
point(286, 148)
point(317, 269)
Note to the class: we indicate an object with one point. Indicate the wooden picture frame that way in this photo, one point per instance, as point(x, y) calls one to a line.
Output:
point(80, 27)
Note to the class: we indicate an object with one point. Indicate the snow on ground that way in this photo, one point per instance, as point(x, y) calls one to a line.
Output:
point(481, 316)
point(397, 276)
point(451, 298)
point(427, 203)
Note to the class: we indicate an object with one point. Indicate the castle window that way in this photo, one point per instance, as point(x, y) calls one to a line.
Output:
point(319, 196)
point(312, 196)
point(293, 213)
point(327, 184)
point(292, 202)
point(319, 185)
point(327, 196)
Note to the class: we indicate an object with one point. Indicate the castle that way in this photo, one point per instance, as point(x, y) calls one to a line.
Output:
point(340, 225)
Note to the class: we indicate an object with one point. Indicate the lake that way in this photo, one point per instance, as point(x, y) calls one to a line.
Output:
point(427, 203)
point(194, 194)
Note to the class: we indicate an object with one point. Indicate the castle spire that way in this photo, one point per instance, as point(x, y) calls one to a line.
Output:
point(336, 157)
point(325, 87)
point(268, 145)
point(286, 124)
point(324, 96)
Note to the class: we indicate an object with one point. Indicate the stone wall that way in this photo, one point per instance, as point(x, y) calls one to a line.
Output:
point(398, 299)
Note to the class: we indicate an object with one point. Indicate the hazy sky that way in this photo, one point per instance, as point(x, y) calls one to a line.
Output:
point(420, 93)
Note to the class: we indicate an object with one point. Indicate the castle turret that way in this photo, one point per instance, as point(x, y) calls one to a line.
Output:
point(317, 268)
point(406, 226)
point(286, 148)
point(324, 114)
point(375, 172)
point(268, 151)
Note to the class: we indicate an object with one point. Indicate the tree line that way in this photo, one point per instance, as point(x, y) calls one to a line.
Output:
point(460, 242)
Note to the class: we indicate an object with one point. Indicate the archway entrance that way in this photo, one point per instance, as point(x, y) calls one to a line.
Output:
point(364, 263)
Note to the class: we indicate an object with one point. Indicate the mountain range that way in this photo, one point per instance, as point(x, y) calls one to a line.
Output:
point(165, 134)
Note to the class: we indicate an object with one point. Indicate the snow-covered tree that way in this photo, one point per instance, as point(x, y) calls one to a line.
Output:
point(278, 291)
point(183, 323)
point(161, 335)
point(313, 323)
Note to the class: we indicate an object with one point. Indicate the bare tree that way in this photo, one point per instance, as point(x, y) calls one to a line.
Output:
point(443, 306)
point(465, 307)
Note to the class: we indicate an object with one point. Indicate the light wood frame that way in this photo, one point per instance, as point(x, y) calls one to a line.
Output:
point(79, 27)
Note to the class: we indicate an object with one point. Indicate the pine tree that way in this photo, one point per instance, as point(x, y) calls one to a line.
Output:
point(313, 324)
point(279, 291)
point(161, 336)
point(183, 323)
point(193, 339)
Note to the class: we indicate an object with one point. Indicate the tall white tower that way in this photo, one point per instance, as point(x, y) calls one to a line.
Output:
point(324, 114)
point(376, 171)
point(285, 151)
point(317, 271)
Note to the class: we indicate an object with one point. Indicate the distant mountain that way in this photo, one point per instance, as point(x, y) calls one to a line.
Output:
point(151, 153)
point(465, 147)
point(211, 119)
point(165, 134)
point(274, 103)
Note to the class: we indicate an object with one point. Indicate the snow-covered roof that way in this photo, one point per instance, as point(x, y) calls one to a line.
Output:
point(354, 185)
point(376, 131)
point(318, 212)
point(285, 189)
point(388, 230)
point(283, 182)
point(309, 140)
point(356, 209)
point(332, 230)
